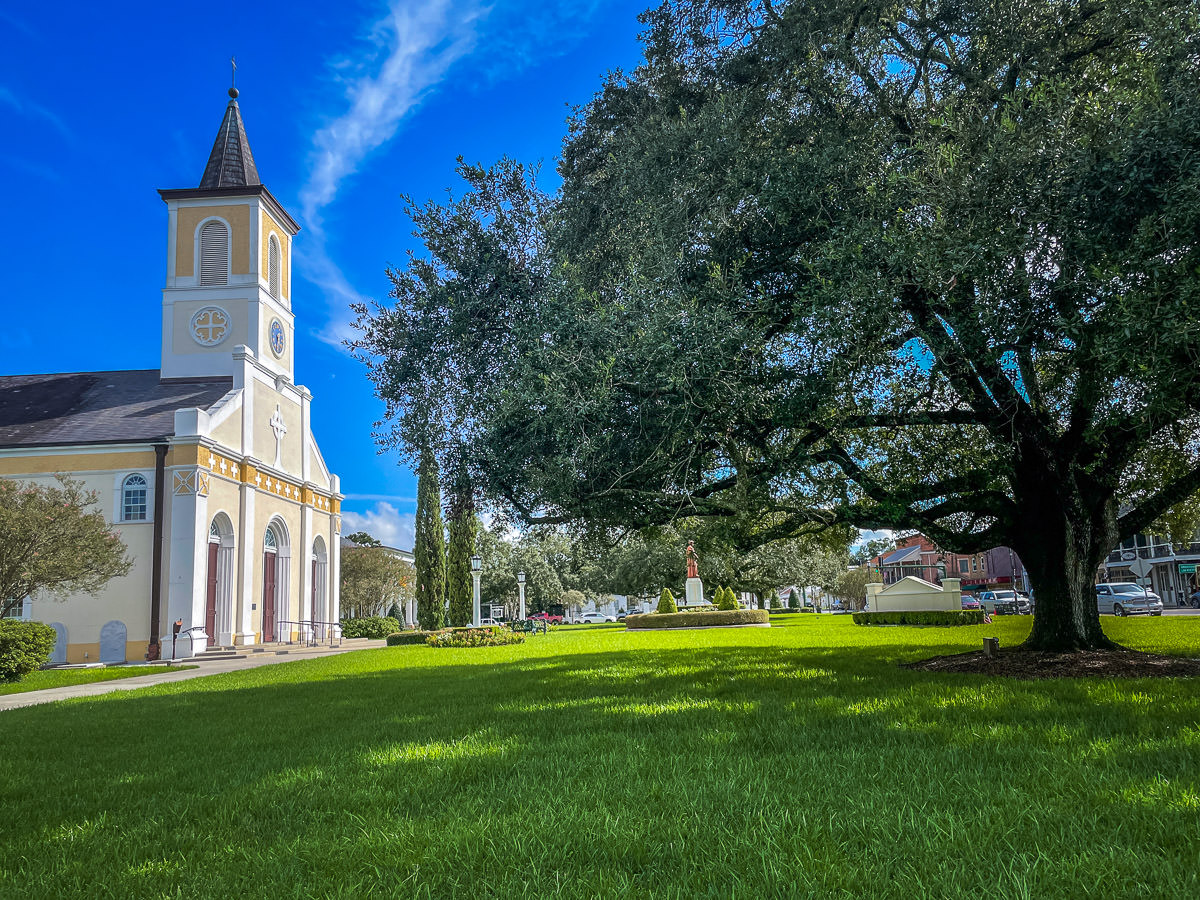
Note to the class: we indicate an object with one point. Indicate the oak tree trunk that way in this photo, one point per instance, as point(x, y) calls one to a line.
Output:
point(1065, 531)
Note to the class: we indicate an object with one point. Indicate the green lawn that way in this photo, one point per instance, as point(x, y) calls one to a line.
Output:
point(52, 678)
point(750, 763)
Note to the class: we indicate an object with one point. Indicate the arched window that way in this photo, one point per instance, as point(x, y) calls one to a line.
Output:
point(269, 541)
point(273, 276)
point(214, 253)
point(133, 499)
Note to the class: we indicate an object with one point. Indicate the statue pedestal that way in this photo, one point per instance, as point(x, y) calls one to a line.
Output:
point(693, 592)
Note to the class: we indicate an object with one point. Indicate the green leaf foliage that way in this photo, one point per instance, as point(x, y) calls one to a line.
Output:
point(464, 527)
point(429, 547)
point(921, 617)
point(666, 602)
point(374, 627)
point(404, 638)
point(54, 542)
point(839, 263)
point(700, 619)
point(24, 648)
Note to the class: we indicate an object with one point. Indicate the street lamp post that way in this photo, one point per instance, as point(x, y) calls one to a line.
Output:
point(521, 591)
point(476, 570)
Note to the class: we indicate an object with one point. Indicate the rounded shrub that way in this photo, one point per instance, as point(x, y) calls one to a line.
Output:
point(373, 627)
point(666, 602)
point(726, 599)
point(24, 647)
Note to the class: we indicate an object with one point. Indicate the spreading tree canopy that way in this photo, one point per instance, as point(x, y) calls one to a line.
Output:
point(899, 265)
point(54, 542)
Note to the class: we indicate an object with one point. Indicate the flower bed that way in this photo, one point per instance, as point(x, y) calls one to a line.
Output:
point(474, 637)
point(706, 619)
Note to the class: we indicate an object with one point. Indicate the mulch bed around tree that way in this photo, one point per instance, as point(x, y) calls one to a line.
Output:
point(1017, 663)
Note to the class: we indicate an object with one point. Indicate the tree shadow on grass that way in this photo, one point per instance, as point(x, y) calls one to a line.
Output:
point(455, 770)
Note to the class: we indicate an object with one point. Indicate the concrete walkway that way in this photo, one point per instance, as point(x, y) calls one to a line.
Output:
point(203, 667)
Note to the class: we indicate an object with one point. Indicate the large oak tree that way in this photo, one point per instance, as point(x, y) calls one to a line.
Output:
point(900, 265)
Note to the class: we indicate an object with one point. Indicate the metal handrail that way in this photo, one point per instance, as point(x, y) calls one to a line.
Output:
point(311, 632)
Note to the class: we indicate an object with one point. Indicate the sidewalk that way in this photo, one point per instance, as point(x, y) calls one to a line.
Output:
point(203, 668)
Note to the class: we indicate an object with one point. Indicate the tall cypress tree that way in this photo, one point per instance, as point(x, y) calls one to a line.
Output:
point(429, 550)
point(464, 527)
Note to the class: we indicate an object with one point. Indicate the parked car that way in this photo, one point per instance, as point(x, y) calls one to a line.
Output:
point(1194, 600)
point(1005, 603)
point(1124, 598)
point(547, 618)
point(488, 622)
point(594, 618)
point(970, 601)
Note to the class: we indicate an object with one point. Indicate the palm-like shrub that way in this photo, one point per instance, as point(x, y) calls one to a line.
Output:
point(666, 602)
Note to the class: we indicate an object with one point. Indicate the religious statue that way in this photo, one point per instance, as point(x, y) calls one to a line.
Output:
point(693, 567)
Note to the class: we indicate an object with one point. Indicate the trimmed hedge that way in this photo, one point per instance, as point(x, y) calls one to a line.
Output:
point(374, 627)
point(24, 647)
point(921, 617)
point(401, 638)
point(698, 619)
point(474, 637)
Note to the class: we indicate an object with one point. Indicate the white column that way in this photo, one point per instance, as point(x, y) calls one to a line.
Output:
point(521, 591)
point(250, 546)
point(187, 561)
point(307, 592)
point(335, 558)
point(475, 617)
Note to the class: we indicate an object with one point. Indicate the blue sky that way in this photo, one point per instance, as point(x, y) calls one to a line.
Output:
point(347, 106)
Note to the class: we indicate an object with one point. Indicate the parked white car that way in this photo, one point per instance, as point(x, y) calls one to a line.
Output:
point(594, 618)
point(1125, 598)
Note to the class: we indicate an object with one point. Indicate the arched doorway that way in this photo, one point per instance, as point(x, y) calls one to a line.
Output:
point(276, 577)
point(218, 607)
point(319, 602)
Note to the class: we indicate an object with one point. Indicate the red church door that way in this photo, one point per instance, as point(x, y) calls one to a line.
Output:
point(268, 615)
point(210, 606)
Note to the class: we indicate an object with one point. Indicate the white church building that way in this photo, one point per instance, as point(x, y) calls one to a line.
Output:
point(208, 465)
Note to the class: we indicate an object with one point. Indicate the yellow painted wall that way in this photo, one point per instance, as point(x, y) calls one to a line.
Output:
point(126, 599)
point(229, 433)
point(269, 227)
point(18, 466)
point(239, 331)
point(189, 217)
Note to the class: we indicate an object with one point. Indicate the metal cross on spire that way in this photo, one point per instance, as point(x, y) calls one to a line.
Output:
point(233, 91)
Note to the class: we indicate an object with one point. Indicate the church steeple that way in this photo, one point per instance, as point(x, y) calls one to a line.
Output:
point(231, 164)
point(229, 285)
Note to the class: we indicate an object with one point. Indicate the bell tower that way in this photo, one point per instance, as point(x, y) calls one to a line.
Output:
point(229, 272)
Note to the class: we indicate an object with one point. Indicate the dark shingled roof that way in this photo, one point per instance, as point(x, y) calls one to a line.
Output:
point(98, 407)
point(231, 164)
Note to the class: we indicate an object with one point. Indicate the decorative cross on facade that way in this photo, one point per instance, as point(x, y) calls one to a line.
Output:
point(280, 430)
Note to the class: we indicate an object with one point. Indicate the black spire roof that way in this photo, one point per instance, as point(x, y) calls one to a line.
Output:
point(231, 164)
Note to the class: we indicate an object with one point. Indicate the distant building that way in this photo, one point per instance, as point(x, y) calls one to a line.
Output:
point(918, 556)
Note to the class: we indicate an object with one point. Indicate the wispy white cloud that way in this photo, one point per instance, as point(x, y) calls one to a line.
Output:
point(408, 54)
point(385, 523)
point(26, 107)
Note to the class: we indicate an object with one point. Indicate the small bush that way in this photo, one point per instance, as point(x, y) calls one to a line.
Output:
point(698, 619)
point(24, 647)
point(666, 602)
point(474, 637)
point(793, 600)
point(808, 609)
point(921, 617)
point(726, 599)
point(394, 612)
point(374, 627)
point(401, 638)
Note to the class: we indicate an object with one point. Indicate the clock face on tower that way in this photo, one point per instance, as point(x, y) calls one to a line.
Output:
point(277, 338)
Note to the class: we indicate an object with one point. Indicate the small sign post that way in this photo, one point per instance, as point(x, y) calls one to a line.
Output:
point(1187, 568)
